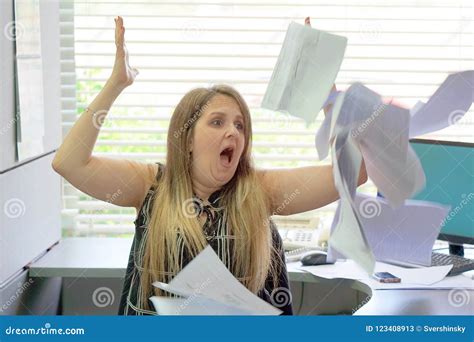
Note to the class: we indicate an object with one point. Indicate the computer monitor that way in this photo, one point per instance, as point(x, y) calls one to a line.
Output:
point(449, 171)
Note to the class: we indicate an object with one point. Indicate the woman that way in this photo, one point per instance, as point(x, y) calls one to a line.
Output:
point(208, 192)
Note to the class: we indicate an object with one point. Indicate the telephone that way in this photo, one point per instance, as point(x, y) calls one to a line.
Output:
point(297, 233)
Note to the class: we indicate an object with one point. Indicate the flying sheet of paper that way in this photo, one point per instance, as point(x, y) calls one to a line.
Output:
point(410, 277)
point(361, 122)
point(348, 237)
point(305, 71)
point(207, 282)
point(402, 236)
point(381, 131)
point(446, 106)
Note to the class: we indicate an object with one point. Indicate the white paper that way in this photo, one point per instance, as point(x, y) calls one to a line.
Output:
point(207, 282)
point(381, 131)
point(403, 236)
point(348, 237)
point(193, 306)
point(305, 71)
point(410, 277)
point(361, 125)
point(446, 106)
point(421, 276)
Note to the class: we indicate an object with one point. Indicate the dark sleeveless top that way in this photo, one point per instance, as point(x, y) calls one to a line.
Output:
point(215, 230)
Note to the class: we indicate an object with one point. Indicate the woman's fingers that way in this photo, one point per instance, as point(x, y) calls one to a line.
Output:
point(307, 21)
point(119, 32)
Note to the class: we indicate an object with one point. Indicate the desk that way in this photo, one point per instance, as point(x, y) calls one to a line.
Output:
point(80, 258)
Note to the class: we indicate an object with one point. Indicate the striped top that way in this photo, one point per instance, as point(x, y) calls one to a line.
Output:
point(217, 235)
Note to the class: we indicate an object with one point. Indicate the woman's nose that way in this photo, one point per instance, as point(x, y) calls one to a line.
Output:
point(232, 130)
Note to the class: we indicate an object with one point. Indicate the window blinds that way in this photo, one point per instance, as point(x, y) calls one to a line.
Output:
point(401, 49)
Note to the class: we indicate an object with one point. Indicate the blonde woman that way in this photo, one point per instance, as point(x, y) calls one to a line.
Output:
point(207, 193)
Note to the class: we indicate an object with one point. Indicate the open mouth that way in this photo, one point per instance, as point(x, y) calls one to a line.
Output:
point(226, 156)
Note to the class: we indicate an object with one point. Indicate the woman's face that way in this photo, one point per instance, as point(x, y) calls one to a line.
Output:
point(217, 142)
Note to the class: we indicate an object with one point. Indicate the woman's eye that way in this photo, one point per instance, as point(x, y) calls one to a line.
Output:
point(239, 125)
point(217, 122)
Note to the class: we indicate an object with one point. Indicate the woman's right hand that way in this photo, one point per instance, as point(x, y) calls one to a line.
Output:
point(122, 74)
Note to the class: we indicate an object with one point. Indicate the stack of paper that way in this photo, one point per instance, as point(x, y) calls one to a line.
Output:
point(207, 287)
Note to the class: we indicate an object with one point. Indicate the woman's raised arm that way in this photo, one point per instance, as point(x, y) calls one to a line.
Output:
point(121, 182)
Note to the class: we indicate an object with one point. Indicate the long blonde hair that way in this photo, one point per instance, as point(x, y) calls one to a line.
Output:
point(247, 207)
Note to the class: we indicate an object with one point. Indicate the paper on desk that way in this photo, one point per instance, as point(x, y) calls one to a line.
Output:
point(207, 282)
point(409, 276)
point(421, 276)
point(460, 281)
point(305, 71)
point(403, 236)
point(446, 106)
